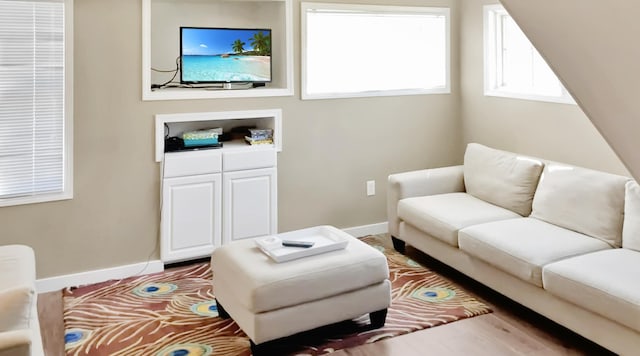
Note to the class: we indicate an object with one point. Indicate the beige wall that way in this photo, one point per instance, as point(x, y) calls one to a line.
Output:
point(331, 147)
point(552, 131)
point(597, 60)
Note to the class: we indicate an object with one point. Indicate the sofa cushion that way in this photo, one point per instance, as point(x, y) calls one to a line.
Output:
point(523, 246)
point(583, 200)
point(501, 178)
point(16, 306)
point(631, 225)
point(604, 282)
point(442, 215)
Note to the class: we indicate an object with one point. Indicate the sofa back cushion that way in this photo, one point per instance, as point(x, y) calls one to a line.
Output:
point(631, 225)
point(501, 178)
point(582, 200)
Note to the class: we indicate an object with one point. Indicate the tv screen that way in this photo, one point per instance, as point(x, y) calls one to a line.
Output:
point(225, 55)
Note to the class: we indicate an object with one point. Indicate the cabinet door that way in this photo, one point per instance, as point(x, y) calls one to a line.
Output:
point(249, 204)
point(191, 214)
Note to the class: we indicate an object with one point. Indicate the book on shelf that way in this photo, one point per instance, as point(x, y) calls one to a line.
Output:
point(259, 141)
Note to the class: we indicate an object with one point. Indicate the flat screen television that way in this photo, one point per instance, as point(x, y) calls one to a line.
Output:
point(225, 55)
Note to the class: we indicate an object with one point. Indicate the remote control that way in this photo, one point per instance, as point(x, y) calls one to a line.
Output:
point(291, 243)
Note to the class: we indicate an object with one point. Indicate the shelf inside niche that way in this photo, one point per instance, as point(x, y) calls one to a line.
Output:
point(181, 122)
point(161, 20)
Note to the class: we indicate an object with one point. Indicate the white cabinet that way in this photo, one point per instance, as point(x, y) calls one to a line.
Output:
point(211, 197)
point(191, 205)
point(191, 216)
point(249, 204)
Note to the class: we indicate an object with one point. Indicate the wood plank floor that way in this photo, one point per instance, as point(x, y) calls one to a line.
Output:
point(510, 330)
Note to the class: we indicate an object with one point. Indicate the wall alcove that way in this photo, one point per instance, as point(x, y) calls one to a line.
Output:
point(161, 22)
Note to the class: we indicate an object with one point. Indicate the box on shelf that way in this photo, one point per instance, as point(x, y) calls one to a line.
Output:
point(201, 137)
point(259, 136)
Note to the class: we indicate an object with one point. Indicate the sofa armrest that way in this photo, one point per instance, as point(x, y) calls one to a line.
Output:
point(15, 343)
point(420, 183)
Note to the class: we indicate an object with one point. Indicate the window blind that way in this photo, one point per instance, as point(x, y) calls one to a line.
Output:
point(32, 142)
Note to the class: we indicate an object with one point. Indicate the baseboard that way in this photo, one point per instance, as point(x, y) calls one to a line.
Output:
point(96, 276)
point(364, 230)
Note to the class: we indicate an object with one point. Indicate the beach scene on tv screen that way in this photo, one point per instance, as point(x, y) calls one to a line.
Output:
point(226, 55)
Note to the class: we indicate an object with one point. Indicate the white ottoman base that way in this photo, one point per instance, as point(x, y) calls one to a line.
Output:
point(275, 324)
point(271, 300)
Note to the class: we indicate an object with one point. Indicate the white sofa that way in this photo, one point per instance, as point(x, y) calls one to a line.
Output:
point(19, 325)
point(561, 240)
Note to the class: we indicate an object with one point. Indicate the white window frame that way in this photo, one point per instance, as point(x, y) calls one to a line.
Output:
point(309, 6)
point(67, 192)
point(493, 62)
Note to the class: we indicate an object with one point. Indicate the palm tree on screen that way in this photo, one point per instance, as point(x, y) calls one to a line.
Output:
point(261, 43)
point(238, 46)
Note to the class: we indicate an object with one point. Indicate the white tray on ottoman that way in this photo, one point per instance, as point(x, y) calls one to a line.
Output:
point(324, 238)
point(271, 300)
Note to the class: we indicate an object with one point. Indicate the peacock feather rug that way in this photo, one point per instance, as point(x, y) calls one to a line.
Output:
point(174, 313)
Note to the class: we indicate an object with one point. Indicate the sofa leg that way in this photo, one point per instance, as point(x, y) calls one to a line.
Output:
point(221, 312)
point(398, 244)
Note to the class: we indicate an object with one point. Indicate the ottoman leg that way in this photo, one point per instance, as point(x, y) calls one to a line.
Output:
point(258, 350)
point(398, 244)
point(377, 318)
point(221, 312)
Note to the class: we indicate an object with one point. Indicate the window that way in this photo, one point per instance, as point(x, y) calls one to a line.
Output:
point(35, 110)
point(366, 50)
point(513, 67)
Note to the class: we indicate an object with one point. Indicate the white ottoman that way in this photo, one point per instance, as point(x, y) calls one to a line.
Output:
point(271, 300)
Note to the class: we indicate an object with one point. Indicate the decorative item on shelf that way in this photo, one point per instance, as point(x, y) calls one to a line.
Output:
point(201, 138)
point(172, 144)
point(259, 136)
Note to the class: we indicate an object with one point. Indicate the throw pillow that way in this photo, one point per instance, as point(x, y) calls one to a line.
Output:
point(583, 200)
point(501, 178)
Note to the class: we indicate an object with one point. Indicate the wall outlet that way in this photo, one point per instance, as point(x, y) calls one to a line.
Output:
point(371, 188)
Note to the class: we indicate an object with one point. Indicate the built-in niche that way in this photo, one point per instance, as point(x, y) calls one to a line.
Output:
point(176, 124)
point(162, 19)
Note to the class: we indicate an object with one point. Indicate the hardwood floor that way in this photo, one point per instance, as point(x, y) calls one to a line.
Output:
point(50, 310)
point(510, 330)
